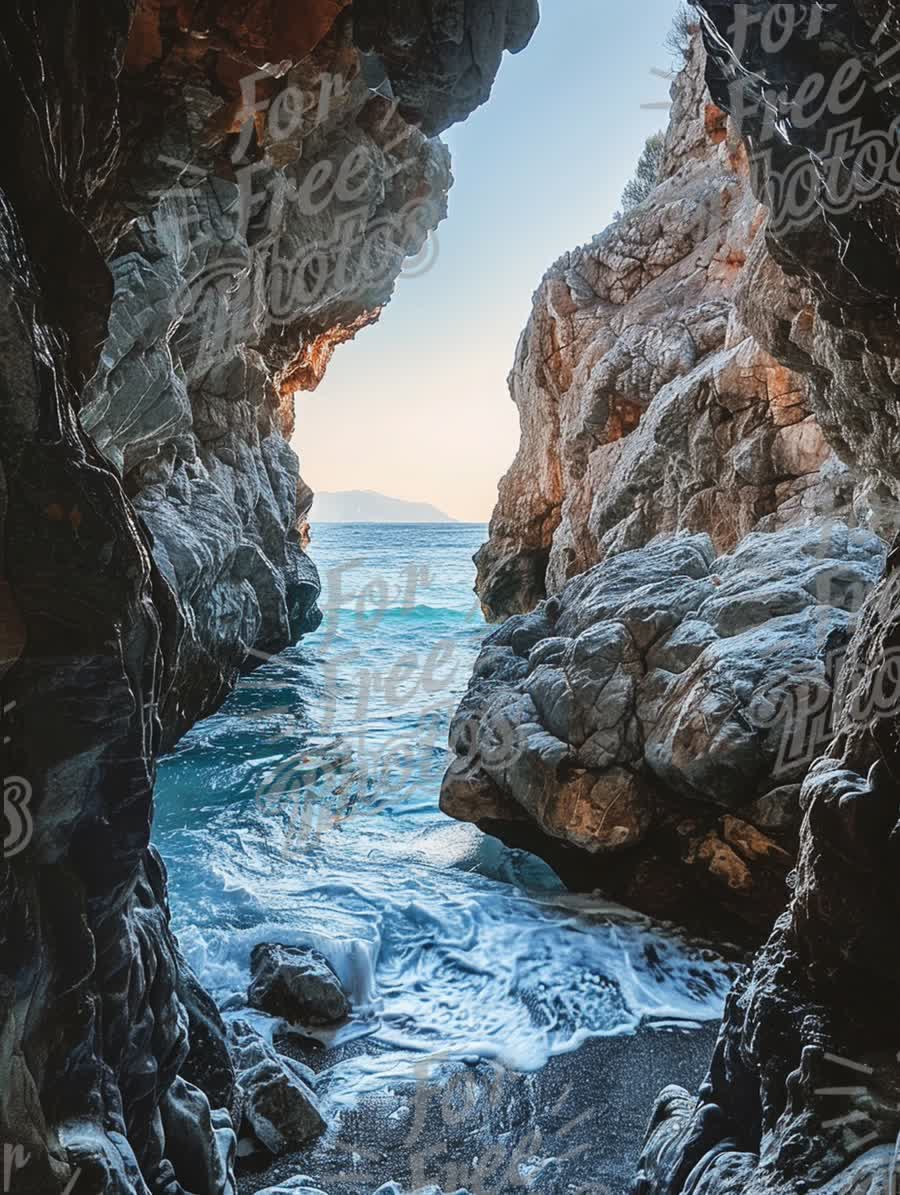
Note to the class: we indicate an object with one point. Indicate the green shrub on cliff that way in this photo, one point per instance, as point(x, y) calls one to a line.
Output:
point(646, 174)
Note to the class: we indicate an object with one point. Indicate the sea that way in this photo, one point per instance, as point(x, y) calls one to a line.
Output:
point(306, 812)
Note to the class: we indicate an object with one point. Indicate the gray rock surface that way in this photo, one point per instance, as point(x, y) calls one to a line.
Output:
point(249, 1048)
point(444, 60)
point(645, 729)
point(277, 1101)
point(296, 983)
point(153, 332)
point(279, 1107)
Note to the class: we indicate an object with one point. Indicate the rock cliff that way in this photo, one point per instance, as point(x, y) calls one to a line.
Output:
point(198, 203)
point(646, 403)
point(641, 703)
point(802, 1091)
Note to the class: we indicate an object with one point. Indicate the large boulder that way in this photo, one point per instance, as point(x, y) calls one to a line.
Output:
point(279, 1107)
point(647, 729)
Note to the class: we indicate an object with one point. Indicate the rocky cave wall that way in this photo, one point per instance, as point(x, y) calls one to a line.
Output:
point(803, 1089)
point(181, 252)
point(647, 403)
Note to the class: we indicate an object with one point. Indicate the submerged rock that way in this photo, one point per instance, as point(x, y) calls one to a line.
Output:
point(646, 729)
point(296, 983)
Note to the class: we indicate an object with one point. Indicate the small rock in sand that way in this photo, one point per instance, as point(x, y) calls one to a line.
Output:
point(278, 1103)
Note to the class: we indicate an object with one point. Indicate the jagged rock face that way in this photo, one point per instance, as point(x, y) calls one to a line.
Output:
point(646, 405)
point(802, 1094)
point(648, 728)
point(444, 57)
point(230, 295)
point(151, 511)
point(835, 236)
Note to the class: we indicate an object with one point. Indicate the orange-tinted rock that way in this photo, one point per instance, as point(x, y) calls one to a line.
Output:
point(145, 40)
point(646, 404)
point(152, 516)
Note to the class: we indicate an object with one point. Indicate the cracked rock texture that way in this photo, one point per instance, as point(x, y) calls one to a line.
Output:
point(635, 426)
point(802, 1092)
point(647, 405)
point(175, 267)
point(278, 1105)
point(647, 729)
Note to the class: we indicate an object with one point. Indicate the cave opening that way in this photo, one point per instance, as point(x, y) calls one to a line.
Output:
point(263, 930)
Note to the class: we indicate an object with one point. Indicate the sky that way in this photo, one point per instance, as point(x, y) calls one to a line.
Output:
point(418, 407)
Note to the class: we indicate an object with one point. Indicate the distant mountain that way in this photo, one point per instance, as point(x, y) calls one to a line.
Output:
point(365, 506)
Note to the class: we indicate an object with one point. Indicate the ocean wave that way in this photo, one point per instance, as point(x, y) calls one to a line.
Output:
point(306, 812)
point(437, 959)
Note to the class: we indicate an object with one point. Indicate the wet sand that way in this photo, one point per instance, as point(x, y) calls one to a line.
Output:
point(574, 1128)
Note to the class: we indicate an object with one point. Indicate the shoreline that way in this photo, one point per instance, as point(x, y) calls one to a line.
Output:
point(576, 1127)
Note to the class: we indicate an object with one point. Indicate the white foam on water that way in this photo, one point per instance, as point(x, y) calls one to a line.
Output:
point(450, 945)
point(447, 963)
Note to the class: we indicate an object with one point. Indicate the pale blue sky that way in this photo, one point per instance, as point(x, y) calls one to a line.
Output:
point(417, 407)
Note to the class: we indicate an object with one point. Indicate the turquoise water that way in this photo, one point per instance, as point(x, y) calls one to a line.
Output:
point(306, 812)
